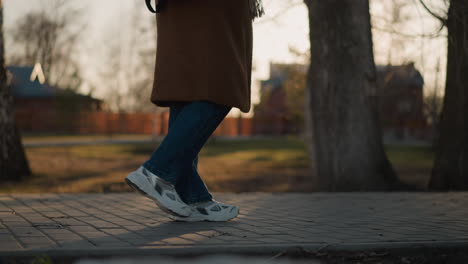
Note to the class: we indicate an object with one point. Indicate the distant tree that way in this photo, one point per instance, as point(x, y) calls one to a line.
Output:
point(432, 108)
point(433, 103)
point(13, 162)
point(145, 47)
point(450, 170)
point(344, 137)
point(50, 37)
point(396, 19)
point(129, 74)
point(294, 86)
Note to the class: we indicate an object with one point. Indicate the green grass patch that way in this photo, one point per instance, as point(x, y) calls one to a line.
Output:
point(272, 164)
point(410, 156)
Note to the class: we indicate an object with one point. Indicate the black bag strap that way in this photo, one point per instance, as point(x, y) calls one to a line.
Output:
point(150, 7)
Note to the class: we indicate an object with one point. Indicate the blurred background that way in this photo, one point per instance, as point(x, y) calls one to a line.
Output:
point(81, 73)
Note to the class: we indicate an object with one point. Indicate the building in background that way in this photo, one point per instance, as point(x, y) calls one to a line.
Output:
point(40, 107)
point(43, 109)
point(399, 98)
point(274, 114)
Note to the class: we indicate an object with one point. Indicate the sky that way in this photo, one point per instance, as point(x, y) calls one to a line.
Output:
point(273, 38)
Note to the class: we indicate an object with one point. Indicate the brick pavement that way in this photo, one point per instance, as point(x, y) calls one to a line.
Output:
point(127, 223)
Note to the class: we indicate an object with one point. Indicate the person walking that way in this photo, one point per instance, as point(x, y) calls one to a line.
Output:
point(203, 70)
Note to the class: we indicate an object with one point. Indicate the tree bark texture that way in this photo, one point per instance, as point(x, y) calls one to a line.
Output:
point(450, 170)
point(344, 137)
point(13, 163)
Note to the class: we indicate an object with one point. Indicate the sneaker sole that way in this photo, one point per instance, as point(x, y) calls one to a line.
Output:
point(134, 181)
point(201, 218)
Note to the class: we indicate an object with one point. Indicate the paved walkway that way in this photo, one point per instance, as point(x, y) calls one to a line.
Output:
point(127, 223)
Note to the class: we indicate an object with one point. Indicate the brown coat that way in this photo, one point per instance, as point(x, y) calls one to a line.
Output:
point(204, 52)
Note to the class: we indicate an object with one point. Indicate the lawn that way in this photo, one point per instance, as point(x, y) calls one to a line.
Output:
point(270, 165)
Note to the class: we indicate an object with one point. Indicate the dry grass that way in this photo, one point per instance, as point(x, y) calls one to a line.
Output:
point(271, 165)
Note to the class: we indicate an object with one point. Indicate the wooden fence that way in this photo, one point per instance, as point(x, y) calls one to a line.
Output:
point(137, 123)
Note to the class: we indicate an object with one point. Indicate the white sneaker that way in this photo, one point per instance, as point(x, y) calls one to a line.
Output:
point(213, 211)
point(159, 190)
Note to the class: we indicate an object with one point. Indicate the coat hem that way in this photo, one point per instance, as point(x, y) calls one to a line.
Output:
point(167, 103)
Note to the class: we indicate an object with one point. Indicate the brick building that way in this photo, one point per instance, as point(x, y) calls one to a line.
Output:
point(399, 100)
point(272, 115)
point(40, 107)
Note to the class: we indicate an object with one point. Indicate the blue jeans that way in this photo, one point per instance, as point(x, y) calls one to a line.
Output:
point(176, 158)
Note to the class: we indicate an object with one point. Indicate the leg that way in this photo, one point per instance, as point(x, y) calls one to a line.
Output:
point(195, 122)
point(189, 186)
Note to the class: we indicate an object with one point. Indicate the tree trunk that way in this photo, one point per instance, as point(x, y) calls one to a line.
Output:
point(344, 136)
point(450, 170)
point(13, 163)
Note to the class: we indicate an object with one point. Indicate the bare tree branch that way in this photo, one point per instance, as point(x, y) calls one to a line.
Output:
point(441, 19)
point(411, 35)
point(49, 37)
point(275, 17)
